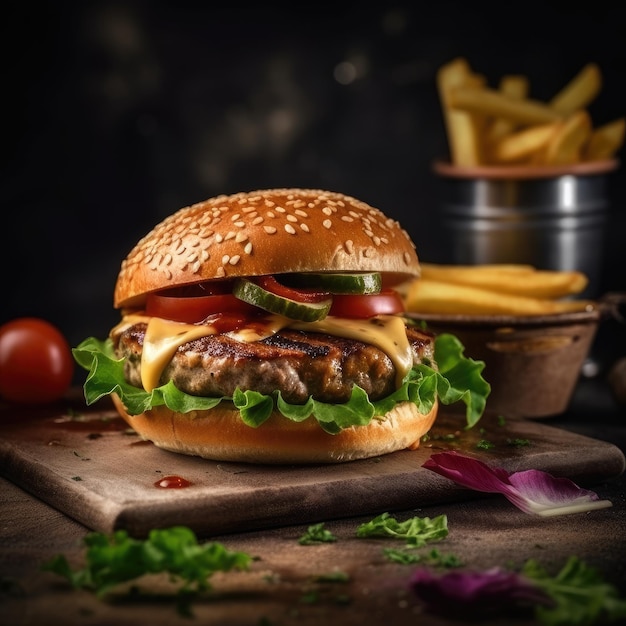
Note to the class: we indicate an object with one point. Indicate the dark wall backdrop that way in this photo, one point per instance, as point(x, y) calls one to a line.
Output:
point(115, 114)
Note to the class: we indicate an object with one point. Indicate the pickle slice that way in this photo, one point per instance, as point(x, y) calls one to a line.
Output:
point(341, 283)
point(254, 294)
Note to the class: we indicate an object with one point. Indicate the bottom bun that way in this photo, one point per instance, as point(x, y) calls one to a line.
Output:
point(219, 434)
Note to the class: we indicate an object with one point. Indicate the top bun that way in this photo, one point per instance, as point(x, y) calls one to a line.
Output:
point(271, 231)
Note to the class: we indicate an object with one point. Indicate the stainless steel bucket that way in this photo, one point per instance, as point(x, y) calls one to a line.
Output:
point(551, 218)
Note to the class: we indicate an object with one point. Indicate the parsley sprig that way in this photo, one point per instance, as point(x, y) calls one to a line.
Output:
point(119, 558)
point(416, 531)
point(580, 594)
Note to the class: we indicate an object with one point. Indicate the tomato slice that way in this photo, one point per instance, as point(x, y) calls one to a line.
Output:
point(191, 309)
point(269, 283)
point(387, 302)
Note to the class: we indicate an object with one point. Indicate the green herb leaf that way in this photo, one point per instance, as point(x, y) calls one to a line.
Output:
point(416, 531)
point(315, 534)
point(580, 594)
point(119, 558)
point(433, 558)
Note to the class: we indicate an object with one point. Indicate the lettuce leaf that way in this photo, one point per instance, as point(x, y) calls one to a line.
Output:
point(457, 378)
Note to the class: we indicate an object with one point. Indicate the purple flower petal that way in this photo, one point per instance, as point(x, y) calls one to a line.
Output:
point(475, 594)
point(532, 491)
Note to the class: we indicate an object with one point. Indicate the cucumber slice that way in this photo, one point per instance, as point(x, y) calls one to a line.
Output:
point(357, 283)
point(254, 294)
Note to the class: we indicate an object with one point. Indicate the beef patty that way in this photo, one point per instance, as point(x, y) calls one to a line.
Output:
point(299, 364)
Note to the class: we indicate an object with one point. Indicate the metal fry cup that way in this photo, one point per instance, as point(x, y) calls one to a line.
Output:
point(553, 218)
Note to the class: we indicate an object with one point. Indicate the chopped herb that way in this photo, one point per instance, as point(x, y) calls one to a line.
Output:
point(416, 531)
point(433, 558)
point(310, 597)
point(485, 444)
point(118, 558)
point(332, 577)
point(517, 442)
point(76, 478)
point(315, 534)
point(501, 420)
point(579, 593)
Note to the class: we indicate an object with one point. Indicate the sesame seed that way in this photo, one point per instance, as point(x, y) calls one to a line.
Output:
point(234, 259)
point(219, 238)
point(327, 211)
point(347, 218)
point(280, 209)
point(301, 213)
point(241, 237)
point(225, 259)
point(220, 273)
point(270, 230)
point(305, 228)
point(235, 217)
point(230, 235)
point(292, 218)
point(349, 246)
point(270, 214)
point(257, 220)
point(248, 248)
point(327, 223)
point(195, 268)
point(290, 229)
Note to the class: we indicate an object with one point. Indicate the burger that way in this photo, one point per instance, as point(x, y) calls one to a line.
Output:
point(269, 327)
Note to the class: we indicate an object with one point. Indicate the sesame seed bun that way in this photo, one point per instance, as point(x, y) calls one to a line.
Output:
point(266, 232)
point(220, 435)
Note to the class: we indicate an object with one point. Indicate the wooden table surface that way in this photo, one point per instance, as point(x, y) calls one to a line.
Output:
point(285, 584)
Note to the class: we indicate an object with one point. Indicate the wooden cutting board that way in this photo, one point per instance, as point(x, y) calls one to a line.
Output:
point(89, 465)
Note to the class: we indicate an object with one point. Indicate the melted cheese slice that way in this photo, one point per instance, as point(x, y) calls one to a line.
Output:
point(163, 338)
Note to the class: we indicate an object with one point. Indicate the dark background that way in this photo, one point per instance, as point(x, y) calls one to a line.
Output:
point(115, 114)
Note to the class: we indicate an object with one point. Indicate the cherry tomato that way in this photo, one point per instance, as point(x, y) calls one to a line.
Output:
point(36, 364)
point(387, 302)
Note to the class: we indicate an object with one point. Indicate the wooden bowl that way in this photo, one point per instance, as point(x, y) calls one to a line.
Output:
point(532, 362)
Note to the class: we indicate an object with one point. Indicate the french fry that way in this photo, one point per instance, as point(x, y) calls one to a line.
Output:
point(520, 280)
point(461, 127)
point(524, 143)
point(605, 141)
point(434, 297)
point(515, 86)
point(505, 126)
point(565, 145)
point(579, 92)
point(486, 101)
